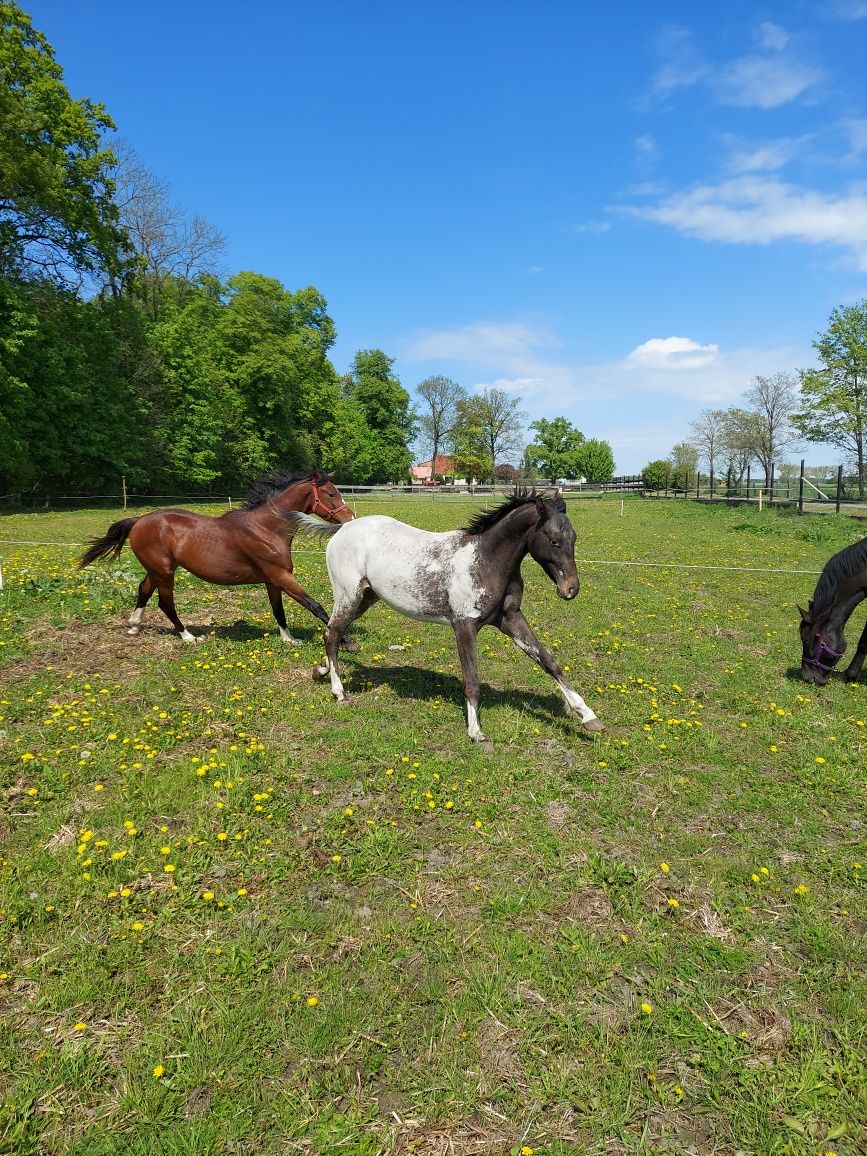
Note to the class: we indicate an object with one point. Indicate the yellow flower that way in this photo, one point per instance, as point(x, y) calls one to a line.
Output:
point(159, 1072)
point(673, 903)
point(336, 858)
point(312, 1000)
point(664, 868)
point(207, 895)
point(169, 867)
point(820, 759)
point(138, 926)
point(526, 1150)
point(647, 1008)
point(79, 1027)
point(242, 890)
point(801, 889)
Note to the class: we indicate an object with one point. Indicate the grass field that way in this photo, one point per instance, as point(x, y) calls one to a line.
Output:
point(237, 918)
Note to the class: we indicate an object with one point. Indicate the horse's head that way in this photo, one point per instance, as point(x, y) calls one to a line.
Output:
point(552, 545)
point(823, 645)
point(327, 501)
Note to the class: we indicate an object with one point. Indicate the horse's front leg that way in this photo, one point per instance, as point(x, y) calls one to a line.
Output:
point(290, 585)
point(275, 597)
point(854, 668)
point(466, 632)
point(515, 626)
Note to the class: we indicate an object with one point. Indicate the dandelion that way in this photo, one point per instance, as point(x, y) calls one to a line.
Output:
point(801, 889)
point(208, 895)
point(312, 1000)
point(79, 1027)
point(170, 867)
point(526, 1150)
point(647, 1009)
point(159, 1072)
point(664, 868)
point(138, 926)
point(673, 903)
point(336, 858)
point(819, 759)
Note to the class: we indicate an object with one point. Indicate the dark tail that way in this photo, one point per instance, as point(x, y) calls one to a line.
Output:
point(110, 544)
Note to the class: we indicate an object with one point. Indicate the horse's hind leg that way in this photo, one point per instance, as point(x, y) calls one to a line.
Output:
point(465, 634)
point(346, 610)
point(275, 597)
point(165, 587)
point(145, 590)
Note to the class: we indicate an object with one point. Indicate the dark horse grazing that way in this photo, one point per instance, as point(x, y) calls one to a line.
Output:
point(841, 586)
point(240, 548)
point(466, 578)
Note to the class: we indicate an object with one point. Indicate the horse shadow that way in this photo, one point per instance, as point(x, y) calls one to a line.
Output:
point(420, 684)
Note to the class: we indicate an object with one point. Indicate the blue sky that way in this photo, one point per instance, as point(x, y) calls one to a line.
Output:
point(620, 213)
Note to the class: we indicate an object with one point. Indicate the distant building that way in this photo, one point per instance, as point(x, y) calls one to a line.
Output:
point(445, 468)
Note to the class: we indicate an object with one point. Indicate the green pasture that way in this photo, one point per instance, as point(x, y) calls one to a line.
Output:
point(237, 918)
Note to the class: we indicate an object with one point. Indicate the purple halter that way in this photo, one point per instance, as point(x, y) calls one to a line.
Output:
point(823, 653)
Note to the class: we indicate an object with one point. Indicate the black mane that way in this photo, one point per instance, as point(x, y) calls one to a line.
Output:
point(266, 488)
point(521, 497)
point(845, 564)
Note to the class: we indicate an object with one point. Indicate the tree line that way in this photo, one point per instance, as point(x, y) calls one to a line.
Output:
point(827, 404)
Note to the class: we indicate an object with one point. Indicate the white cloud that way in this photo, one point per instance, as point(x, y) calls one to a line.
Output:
point(762, 81)
point(850, 10)
point(772, 36)
point(677, 353)
point(761, 156)
point(760, 210)
point(680, 63)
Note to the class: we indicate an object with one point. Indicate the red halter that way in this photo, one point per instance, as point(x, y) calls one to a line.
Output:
point(326, 512)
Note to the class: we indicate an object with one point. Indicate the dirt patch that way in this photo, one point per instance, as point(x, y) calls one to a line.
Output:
point(499, 1060)
point(765, 1027)
point(589, 906)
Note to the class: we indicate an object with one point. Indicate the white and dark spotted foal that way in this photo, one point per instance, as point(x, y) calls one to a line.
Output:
point(466, 579)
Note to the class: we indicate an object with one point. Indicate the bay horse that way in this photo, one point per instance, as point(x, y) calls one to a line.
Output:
point(242, 547)
point(466, 579)
point(841, 586)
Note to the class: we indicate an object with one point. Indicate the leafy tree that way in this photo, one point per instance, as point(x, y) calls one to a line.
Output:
point(57, 217)
point(833, 398)
point(488, 428)
point(684, 462)
point(82, 415)
point(384, 406)
point(596, 461)
point(441, 396)
point(739, 437)
point(656, 475)
point(556, 449)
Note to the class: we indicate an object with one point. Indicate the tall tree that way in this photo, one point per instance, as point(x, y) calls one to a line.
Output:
point(489, 428)
point(834, 397)
point(168, 244)
point(556, 449)
point(441, 396)
point(684, 463)
point(774, 400)
point(596, 460)
point(375, 390)
point(708, 436)
point(57, 216)
point(739, 439)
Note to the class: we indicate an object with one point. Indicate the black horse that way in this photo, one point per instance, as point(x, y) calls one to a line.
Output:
point(465, 579)
point(841, 586)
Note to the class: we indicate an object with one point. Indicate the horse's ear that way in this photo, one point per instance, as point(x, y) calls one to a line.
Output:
point(330, 473)
point(558, 493)
point(541, 507)
point(805, 614)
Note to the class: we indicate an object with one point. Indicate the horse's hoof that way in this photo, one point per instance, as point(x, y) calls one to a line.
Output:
point(187, 637)
point(320, 672)
point(594, 726)
point(133, 631)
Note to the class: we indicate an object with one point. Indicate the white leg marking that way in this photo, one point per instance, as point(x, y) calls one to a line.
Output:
point(336, 685)
point(136, 616)
point(287, 637)
point(187, 637)
point(473, 728)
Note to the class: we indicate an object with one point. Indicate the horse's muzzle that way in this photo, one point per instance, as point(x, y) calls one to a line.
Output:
point(813, 674)
point(568, 588)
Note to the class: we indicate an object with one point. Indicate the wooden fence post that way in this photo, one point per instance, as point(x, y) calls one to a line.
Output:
point(801, 489)
point(839, 485)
